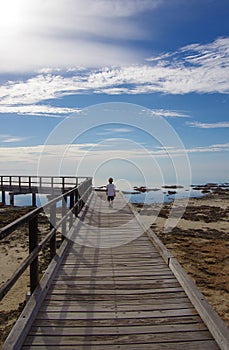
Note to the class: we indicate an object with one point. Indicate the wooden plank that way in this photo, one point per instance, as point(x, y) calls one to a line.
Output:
point(104, 273)
point(132, 279)
point(164, 303)
point(163, 296)
point(97, 300)
point(124, 264)
point(117, 264)
point(118, 291)
point(111, 270)
point(203, 345)
point(113, 314)
point(113, 256)
point(147, 321)
point(87, 307)
point(111, 330)
point(118, 339)
point(116, 284)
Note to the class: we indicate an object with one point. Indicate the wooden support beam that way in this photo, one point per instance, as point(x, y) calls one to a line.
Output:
point(52, 226)
point(33, 243)
point(64, 211)
point(34, 202)
point(71, 207)
point(3, 197)
point(11, 199)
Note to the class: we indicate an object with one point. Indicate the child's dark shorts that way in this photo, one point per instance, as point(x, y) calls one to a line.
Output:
point(110, 198)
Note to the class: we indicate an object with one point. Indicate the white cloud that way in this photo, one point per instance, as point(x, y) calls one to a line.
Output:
point(68, 33)
point(168, 113)
point(38, 110)
point(201, 73)
point(4, 138)
point(95, 151)
point(208, 125)
point(224, 147)
point(194, 68)
point(203, 54)
point(112, 131)
point(163, 152)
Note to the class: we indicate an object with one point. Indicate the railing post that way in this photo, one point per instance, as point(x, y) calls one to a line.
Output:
point(3, 197)
point(71, 206)
point(52, 187)
point(11, 199)
point(34, 202)
point(33, 242)
point(63, 184)
point(52, 226)
point(64, 210)
point(76, 197)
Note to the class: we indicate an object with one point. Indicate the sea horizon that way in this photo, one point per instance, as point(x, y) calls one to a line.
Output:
point(152, 195)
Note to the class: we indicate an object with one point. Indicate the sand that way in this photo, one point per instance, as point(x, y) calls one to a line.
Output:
point(14, 250)
point(200, 242)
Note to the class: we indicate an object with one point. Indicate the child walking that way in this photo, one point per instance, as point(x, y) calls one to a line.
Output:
point(110, 191)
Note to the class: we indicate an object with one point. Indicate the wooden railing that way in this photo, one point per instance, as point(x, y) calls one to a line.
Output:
point(71, 204)
point(50, 185)
point(10, 183)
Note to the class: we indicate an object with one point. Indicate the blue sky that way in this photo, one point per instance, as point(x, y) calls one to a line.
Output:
point(163, 63)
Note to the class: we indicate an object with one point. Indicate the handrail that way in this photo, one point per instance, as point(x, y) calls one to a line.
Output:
point(11, 181)
point(6, 230)
point(78, 196)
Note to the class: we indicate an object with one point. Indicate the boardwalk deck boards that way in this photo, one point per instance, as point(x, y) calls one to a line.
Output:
point(121, 295)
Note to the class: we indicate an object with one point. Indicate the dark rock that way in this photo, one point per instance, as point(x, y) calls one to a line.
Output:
point(171, 192)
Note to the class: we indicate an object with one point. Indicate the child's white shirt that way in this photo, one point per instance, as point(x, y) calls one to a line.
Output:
point(110, 189)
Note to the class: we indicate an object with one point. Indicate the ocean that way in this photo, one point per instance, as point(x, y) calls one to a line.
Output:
point(149, 197)
point(162, 196)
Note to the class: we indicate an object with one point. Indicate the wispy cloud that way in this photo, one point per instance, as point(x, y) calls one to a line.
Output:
point(4, 138)
point(208, 125)
point(60, 33)
point(95, 152)
point(206, 70)
point(168, 113)
point(211, 148)
point(38, 110)
point(85, 158)
point(112, 131)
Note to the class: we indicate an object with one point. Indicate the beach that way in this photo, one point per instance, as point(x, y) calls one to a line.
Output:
point(200, 242)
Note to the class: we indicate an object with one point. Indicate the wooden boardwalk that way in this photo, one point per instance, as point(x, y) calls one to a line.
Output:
point(110, 289)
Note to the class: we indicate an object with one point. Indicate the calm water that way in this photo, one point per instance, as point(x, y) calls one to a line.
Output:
point(160, 196)
point(25, 199)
